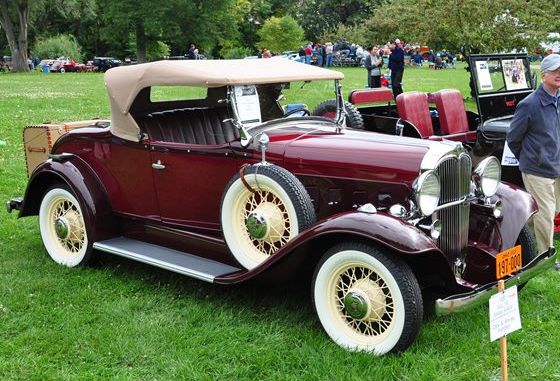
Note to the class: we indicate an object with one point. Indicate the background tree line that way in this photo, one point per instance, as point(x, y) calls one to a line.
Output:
point(145, 29)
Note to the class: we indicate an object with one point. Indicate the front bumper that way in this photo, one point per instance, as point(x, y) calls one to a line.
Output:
point(465, 301)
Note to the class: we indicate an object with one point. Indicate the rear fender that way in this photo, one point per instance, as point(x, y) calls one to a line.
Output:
point(82, 180)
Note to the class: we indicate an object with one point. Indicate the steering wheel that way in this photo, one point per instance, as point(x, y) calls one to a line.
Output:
point(303, 111)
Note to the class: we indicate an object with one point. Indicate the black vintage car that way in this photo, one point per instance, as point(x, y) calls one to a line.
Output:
point(105, 63)
point(498, 83)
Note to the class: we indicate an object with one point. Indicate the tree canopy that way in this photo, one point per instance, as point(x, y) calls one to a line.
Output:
point(145, 30)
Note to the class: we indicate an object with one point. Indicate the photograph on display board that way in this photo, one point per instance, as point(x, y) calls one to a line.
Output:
point(514, 74)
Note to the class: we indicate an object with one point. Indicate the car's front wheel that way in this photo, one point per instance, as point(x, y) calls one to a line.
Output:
point(63, 229)
point(263, 208)
point(366, 299)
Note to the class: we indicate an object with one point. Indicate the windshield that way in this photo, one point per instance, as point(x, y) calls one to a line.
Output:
point(257, 104)
point(501, 75)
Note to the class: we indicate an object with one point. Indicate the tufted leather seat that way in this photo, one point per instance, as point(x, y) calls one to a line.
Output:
point(413, 107)
point(190, 126)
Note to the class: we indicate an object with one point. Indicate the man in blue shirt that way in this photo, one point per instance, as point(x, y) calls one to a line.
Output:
point(534, 139)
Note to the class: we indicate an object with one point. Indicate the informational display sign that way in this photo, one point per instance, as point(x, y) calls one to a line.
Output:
point(514, 74)
point(483, 74)
point(248, 105)
point(508, 158)
point(504, 313)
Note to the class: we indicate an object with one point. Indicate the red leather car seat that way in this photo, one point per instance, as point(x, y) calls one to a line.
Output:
point(451, 109)
point(413, 107)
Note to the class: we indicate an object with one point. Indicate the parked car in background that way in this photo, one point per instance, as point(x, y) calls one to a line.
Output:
point(222, 185)
point(105, 63)
point(6, 64)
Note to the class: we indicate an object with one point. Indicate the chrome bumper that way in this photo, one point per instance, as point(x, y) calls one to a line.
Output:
point(463, 302)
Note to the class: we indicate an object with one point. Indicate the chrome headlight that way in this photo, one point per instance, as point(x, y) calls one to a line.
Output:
point(487, 175)
point(426, 192)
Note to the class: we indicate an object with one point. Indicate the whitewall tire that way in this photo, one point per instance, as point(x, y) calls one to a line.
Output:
point(63, 229)
point(367, 300)
point(262, 212)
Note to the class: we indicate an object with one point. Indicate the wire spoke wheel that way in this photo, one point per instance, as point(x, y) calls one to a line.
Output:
point(63, 229)
point(366, 299)
point(262, 212)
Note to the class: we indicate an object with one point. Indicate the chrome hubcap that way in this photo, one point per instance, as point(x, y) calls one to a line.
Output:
point(257, 225)
point(61, 227)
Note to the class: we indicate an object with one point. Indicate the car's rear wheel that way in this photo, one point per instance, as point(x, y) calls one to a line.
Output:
point(262, 211)
point(63, 229)
point(328, 110)
point(366, 299)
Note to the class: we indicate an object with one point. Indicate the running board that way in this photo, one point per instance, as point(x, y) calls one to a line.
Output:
point(168, 259)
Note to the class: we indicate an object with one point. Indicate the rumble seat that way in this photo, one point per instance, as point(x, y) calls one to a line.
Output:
point(203, 126)
point(452, 115)
point(413, 107)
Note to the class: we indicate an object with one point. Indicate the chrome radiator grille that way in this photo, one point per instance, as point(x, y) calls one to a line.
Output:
point(454, 175)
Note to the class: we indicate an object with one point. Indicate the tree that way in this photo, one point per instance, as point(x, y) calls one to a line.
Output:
point(14, 17)
point(57, 46)
point(467, 26)
point(320, 16)
point(280, 34)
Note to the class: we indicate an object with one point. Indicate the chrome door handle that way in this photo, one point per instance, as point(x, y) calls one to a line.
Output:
point(158, 165)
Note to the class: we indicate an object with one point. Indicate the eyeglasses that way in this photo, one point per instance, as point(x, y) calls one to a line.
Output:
point(557, 71)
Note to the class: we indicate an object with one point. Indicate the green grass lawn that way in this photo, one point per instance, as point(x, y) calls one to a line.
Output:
point(126, 321)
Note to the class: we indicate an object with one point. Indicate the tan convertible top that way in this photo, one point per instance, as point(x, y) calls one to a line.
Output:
point(125, 82)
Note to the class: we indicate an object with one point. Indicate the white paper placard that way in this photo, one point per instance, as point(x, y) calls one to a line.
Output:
point(504, 313)
point(508, 158)
point(483, 74)
point(248, 105)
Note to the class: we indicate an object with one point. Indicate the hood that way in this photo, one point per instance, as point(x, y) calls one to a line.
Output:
point(315, 148)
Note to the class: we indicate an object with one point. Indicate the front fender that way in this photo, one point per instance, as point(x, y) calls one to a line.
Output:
point(502, 234)
point(388, 231)
point(87, 188)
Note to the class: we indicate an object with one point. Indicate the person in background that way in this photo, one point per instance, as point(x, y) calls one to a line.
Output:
point(534, 139)
point(373, 64)
point(329, 53)
point(192, 53)
point(308, 53)
point(301, 55)
point(396, 65)
point(319, 52)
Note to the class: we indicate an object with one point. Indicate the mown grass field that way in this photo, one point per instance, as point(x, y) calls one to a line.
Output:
point(121, 320)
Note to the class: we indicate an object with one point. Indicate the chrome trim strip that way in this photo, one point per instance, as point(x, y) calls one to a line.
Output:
point(452, 203)
point(463, 302)
point(154, 262)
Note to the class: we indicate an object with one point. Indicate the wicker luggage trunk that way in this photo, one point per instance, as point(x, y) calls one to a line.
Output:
point(39, 139)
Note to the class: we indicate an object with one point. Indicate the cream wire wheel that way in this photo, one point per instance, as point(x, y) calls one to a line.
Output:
point(367, 300)
point(62, 227)
point(260, 216)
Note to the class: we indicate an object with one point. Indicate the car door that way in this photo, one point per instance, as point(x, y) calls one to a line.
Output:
point(189, 180)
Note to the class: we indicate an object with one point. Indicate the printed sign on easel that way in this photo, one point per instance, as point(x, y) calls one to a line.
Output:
point(248, 105)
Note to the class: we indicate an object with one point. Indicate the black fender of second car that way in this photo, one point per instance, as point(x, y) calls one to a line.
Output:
point(74, 173)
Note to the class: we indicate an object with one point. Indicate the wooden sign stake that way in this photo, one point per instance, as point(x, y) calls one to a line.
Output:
point(503, 343)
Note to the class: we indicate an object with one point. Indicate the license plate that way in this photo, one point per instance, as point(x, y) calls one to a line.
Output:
point(508, 262)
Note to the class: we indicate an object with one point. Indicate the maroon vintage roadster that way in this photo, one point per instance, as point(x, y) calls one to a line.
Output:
point(225, 187)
